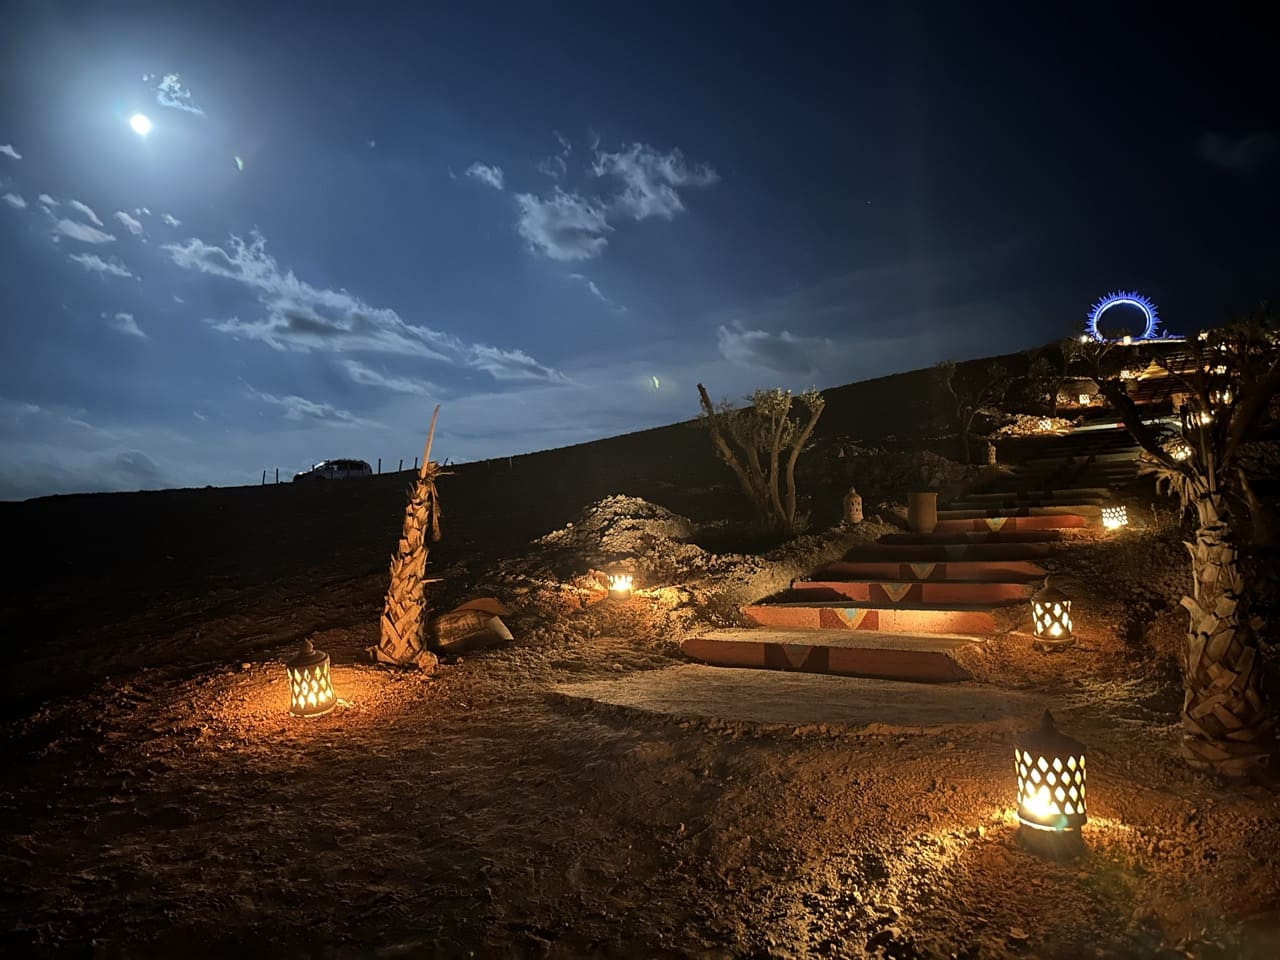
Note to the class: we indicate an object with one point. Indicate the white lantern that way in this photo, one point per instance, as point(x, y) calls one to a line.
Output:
point(620, 585)
point(1115, 517)
point(1051, 615)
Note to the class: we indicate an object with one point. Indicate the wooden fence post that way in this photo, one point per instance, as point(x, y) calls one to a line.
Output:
point(264, 478)
point(400, 469)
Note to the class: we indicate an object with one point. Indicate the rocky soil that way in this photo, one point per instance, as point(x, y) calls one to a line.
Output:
point(158, 800)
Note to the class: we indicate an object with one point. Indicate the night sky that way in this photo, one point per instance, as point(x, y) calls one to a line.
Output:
point(555, 219)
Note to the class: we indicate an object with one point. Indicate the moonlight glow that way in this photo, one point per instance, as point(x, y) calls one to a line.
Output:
point(141, 124)
point(1126, 299)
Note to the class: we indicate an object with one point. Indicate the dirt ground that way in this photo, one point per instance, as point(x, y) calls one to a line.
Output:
point(158, 800)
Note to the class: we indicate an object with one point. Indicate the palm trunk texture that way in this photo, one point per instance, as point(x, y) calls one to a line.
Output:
point(1227, 724)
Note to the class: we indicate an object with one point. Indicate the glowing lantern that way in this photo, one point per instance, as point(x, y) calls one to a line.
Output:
point(1115, 517)
point(310, 690)
point(1051, 614)
point(620, 585)
point(1127, 340)
point(1085, 399)
point(1051, 801)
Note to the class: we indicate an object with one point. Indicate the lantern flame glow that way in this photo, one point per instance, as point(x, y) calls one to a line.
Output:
point(1115, 517)
point(620, 584)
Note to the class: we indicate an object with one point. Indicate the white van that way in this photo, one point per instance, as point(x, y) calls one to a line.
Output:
point(335, 470)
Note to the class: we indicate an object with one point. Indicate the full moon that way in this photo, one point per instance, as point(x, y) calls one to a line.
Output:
point(141, 124)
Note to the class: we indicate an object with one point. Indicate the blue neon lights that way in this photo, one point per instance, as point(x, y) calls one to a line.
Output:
point(1130, 298)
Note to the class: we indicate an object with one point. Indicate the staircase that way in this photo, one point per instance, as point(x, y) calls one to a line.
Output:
point(908, 606)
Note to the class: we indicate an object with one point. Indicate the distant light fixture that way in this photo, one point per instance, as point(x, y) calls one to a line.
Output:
point(620, 585)
point(141, 124)
point(1127, 340)
point(1051, 783)
point(1085, 399)
point(310, 689)
point(1115, 517)
point(1051, 617)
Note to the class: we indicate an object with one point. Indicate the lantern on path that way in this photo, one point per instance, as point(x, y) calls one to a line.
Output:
point(1051, 615)
point(310, 690)
point(620, 585)
point(1051, 800)
point(1115, 517)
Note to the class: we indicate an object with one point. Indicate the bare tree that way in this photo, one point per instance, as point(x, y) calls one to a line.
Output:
point(971, 393)
point(1227, 381)
point(763, 435)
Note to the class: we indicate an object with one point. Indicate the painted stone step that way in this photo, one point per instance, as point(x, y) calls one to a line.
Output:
point(885, 656)
point(1014, 502)
point(1064, 521)
point(1076, 509)
point(1047, 493)
point(1120, 456)
point(819, 616)
point(985, 535)
point(890, 593)
point(1002, 571)
point(925, 550)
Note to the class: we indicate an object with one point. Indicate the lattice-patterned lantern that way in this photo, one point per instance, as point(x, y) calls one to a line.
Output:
point(310, 690)
point(620, 585)
point(1115, 517)
point(1085, 399)
point(1051, 800)
point(1051, 616)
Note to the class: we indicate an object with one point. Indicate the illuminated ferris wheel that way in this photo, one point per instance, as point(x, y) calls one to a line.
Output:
point(1122, 298)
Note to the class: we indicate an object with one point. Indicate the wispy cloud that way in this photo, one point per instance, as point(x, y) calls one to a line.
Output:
point(374, 378)
point(1239, 154)
point(14, 200)
point(780, 352)
point(81, 231)
point(650, 179)
point(486, 173)
point(598, 293)
point(129, 223)
point(565, 226)
point(46, 201)
point(170, 219)
point(85, 211)
point(171, 92)
point(511, 365)
point(557, 165)
point(124, 323)
point(95, 264)
point(570, 226)
point(301, 409)
point(8, 151)
point(301, 317)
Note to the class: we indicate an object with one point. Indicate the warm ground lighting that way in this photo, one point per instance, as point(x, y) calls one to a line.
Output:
point(141, 124)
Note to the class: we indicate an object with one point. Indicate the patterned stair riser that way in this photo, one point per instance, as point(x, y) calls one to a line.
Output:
point(1012, 524)
point(923, 666)
point(890, 594)
point(974, 622)
point(921, 550)
point(1003, 571)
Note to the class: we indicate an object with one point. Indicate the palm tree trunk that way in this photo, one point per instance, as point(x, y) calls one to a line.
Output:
point(1227, 724)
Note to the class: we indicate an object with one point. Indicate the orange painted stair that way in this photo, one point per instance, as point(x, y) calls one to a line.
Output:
point(931, 593)
point(848, 615)
point(884, 656)
point(918, 548)
point(1004, 525)
point(993, 569)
